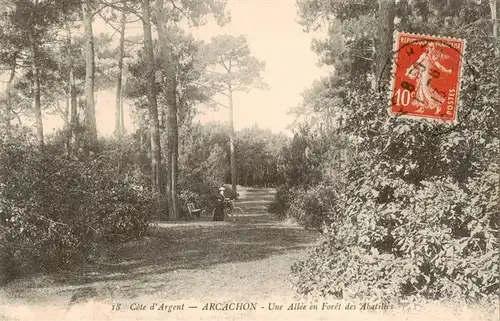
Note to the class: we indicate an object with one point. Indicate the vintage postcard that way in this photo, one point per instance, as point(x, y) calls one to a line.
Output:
point(237, 160)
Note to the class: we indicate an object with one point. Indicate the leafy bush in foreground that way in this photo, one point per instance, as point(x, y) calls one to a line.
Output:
point(313, 207)
point(281, 202)
point(416, 216)
point(55, 209)
point(437, 241)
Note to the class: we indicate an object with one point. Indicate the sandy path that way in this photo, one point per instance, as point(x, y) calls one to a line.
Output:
point(190, 262)
point(192, 265)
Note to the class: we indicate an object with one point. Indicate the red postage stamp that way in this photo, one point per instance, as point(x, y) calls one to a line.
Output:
point(426, 76)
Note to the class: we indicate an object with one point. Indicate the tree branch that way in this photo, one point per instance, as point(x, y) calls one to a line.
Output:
point(109, 23)
point(179, 9)
point(238, 87)
point(133, 21)
point(361, 57)
point(224, 65)
point(218, 103)
point(122, 8)
point(17, 116)
point(205, 86)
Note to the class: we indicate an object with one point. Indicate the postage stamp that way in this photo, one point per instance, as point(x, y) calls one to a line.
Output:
point(426, 76)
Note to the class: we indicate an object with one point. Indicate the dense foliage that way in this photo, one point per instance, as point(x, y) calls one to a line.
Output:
point(204, 161)
point(258, 157)
point(407, 208)
point(56, 209)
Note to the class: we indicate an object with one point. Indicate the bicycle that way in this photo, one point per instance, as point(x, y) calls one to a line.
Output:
point(231, 211)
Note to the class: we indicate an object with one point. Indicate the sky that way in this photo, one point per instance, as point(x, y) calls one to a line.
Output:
point(273, 36)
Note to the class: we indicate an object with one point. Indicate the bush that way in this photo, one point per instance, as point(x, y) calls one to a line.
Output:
point(435, 241)
point(281, 202)
point(201, 167)
point(417, 211)
point(54, 210)
point(312, 207)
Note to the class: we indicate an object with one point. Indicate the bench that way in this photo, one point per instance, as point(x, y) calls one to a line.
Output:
point(195, 212)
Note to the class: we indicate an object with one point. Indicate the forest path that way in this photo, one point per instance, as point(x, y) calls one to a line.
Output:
point(190, 263)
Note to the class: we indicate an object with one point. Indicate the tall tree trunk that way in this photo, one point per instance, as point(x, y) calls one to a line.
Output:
point(65, 118)
point(375, 76)
point(8, 97)
point(231, 138)
point(172, 130)
point(496, 25)
point(122, 113)
point(173, 124)
point(175, 169)
point(154, 125)
point(119, 126)
point(90, 119)
point(37, 107)
point(163, 116)
point(386, 14)
point(67, 122)
point(73, 110)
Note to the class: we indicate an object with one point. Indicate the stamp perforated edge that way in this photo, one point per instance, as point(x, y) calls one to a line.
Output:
point(395, 54)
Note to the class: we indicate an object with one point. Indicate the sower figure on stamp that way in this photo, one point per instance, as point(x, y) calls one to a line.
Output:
point(423, 71)
point(219, 207)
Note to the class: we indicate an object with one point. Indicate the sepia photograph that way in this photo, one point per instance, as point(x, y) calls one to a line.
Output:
point(249, 160)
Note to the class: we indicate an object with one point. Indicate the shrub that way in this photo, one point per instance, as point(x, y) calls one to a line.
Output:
point(281, 202)
point(435, 241)
point(186, 197)
point(54, 209)
point(417, 211)
point(201, 167)
point(312, 207)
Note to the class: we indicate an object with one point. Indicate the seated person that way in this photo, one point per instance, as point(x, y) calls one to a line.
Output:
point(219, 207)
